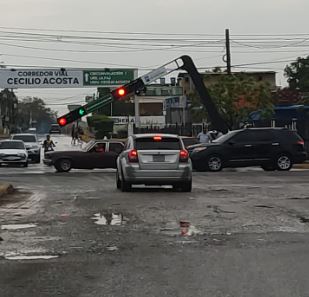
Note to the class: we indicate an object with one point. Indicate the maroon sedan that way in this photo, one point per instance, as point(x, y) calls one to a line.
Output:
point(96, 154)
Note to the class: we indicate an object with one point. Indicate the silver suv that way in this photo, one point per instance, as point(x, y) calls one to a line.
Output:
point(154, 159)
point(32, 145)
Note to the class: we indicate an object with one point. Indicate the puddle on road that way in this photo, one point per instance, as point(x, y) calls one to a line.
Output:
point(113, 219)
point(183, 229)
point(17, 226)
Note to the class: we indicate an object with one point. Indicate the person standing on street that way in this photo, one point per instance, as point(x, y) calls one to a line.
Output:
point(73, 134)
point(203, 137)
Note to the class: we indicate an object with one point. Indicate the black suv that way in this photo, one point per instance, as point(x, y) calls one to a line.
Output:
point(270, 148)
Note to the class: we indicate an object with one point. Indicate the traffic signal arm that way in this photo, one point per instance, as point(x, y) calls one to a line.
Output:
point(77, 113)
point(216, 119)
point(127, 90)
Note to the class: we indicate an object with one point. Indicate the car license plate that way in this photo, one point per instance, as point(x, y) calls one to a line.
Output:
point(12, 158)
point(158, 158)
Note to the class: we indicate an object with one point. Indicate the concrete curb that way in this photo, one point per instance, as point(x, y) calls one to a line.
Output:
point(302, 166)
point(6, 189)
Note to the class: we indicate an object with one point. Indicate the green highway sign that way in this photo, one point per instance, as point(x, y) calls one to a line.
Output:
point(108, 77)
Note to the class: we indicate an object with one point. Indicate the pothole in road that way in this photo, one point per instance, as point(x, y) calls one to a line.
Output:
point(113, 219)
point(298, 198)
point(17, 226)
point(263, 206)
point(303, 219)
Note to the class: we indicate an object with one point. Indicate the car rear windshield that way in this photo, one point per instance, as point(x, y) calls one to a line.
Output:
point(11, 145)
point(288, 135)
point(157, 143)
point(25, 138)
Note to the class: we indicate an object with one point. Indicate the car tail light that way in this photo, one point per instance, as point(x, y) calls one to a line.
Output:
point(157, 138)
point(301, 142)
point(133, 156)
point(183, 156)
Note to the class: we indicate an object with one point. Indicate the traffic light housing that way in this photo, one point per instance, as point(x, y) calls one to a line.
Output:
point(72, 116)
point(127, 90)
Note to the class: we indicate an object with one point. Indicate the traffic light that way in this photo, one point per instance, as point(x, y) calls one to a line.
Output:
point(81, 111)
point(127, 90)
point(72, 116)
point(62, 121)
point(120, 93)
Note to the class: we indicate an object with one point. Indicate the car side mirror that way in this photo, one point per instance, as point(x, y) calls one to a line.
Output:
point(231, 142)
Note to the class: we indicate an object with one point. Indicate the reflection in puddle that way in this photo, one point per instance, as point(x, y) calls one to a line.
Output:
point(183, 228)
point(114, 219)
point(17, 226)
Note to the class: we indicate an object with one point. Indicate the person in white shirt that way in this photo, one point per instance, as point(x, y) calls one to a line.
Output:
point(214, 134)
point(203, 137)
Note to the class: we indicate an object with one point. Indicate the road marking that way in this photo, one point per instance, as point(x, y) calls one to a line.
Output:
point(17, 226)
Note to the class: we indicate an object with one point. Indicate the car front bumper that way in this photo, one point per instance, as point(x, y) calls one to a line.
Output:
point(15, 161)
point(48, 162)
point(32, 154)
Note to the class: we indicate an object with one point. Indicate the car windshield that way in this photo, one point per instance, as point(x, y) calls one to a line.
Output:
point(157, 143)
point(87, 147)
point(225, 137)
point(25, 138)
point(12, 145)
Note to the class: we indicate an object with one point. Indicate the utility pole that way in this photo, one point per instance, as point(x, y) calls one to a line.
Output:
point(228, 51)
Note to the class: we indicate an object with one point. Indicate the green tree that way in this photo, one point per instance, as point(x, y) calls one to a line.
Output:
point(298, 74)
point(33, 110)
point(236, 96)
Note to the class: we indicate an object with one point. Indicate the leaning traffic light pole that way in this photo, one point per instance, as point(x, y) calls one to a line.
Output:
point(127, 90)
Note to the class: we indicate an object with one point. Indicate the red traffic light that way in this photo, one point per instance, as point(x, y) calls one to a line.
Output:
point(62, 121)
point(121, 92)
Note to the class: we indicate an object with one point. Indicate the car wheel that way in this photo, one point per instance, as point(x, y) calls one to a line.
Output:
point(186, 186)
point(118, 181)
point(214, 163)
point(63, 165)
point(268, 167)
point(125, 186)
point(38, 159)
point(284, 162)
point(25, 164)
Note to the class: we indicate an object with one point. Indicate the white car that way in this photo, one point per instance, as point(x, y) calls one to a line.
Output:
point(13, 152)
point(32, 145)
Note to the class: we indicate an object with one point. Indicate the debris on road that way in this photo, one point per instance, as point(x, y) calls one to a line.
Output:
point(6, 188)
point(112, 248)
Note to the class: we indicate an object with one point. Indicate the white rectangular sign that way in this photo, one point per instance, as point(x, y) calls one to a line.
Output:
point(40, 78)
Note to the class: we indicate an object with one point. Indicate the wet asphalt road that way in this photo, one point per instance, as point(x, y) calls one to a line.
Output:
point(248, 235)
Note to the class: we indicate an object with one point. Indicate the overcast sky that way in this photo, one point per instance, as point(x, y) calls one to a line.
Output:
point(285, 22)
